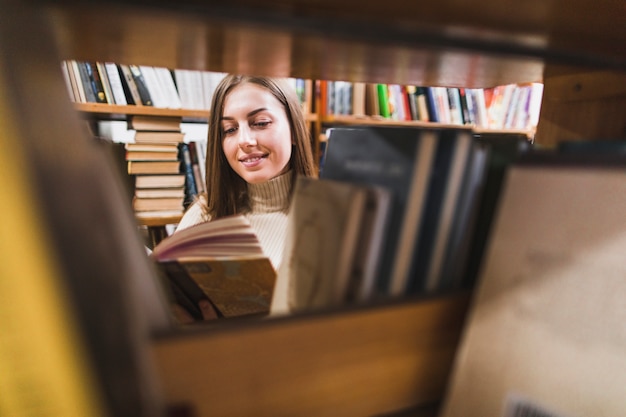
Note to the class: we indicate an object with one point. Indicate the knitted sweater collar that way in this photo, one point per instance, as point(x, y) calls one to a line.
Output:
point(270, 196)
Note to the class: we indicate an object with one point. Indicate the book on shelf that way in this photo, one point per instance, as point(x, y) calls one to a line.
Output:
point(152, 155)
point(547, 320)
point(141, 85)
point(83, 76)
point(106, 85)
point(398, 159)
point(333, 245)
point(145, 136)
point(160, 181)
point(195, 153)
point(130, 86)
point(171, 192)
point(153, 167)
point(186, 167)
point(96, 82)
point(220, 261)
point(116, 83)
point(435, 177)
point(441, 206)
point(502, 150)
point(158, 203)
point(155, 123)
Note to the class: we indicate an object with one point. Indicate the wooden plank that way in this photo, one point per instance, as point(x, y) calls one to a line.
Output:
point(360, 362)
point(128, 110)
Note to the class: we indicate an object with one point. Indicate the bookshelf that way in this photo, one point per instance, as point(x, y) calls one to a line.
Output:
point(564, 43)
point(100, 110)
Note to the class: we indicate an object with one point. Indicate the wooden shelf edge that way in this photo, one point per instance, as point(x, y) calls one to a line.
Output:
point(360, 362)
point(380, 121)
point(131, 110)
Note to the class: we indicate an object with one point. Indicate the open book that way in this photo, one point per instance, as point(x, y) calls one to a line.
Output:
point(220, 261)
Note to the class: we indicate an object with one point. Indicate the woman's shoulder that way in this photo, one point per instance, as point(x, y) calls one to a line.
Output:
point(195, 214)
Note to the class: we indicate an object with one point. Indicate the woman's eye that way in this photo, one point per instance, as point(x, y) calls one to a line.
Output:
point(262, 123)
point(229, 130)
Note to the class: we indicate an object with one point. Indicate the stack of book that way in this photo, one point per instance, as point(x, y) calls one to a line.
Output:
point(154, 161)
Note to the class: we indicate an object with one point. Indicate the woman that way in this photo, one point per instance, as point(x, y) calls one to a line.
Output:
point(258, 143)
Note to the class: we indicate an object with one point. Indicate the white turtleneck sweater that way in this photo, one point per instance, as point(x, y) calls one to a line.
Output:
point(269, 205)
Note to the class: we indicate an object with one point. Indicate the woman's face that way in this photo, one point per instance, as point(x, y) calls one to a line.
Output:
point(256, 134)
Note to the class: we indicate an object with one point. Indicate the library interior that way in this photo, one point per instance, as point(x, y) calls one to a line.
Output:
point(458, 251)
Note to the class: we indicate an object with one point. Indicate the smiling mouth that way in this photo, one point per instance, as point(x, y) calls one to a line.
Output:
point(252, 160)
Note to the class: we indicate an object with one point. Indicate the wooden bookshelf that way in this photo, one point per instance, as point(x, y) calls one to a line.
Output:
point(311, 359)
point(114, 110)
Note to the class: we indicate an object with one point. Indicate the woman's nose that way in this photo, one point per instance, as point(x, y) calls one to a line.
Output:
point(246, 137)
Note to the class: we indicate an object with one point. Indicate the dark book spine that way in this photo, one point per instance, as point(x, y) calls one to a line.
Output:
point(128, 85)
point(431, 104)
point(430, 217)
point(96, 82)
point(186, 167)
point(90, 96)
point(465, 107)
point(142, 87)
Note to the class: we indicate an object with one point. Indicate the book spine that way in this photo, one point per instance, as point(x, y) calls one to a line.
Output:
point(142, 86)
point(383, 100)
point(191, 190)
point(132, 93)
point(96, 82)
point(195, 164)
point(106, 84)
point(115, 81)
point(90, 96)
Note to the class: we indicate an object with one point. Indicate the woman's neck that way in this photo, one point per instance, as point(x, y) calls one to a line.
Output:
point(272, 195)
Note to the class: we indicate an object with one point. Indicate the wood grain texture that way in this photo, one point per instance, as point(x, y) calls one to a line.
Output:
point(361, 362)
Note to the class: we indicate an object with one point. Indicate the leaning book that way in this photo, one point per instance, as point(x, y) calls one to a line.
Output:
point(220, 261)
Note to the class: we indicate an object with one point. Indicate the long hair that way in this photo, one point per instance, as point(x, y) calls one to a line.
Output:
point(226, 191)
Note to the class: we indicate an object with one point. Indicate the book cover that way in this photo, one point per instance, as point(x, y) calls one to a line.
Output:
point(399, 159)
point(221, 261)
point(547, 320)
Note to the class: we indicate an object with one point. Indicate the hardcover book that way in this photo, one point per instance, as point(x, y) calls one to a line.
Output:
point(220, 261)
point(547, 321)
